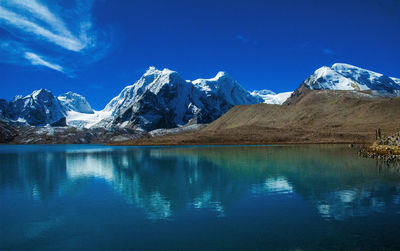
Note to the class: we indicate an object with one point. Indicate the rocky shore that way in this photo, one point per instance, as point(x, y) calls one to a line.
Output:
point(384, 148)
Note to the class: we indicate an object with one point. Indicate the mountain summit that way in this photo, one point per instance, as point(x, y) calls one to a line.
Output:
point(75, 102)
point(348, 77)
point(163, 99)
point(38, 109)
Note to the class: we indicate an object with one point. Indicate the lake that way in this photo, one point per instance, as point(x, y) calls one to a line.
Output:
point(196, 198)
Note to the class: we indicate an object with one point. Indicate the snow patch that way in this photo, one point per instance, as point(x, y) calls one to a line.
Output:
point(270, 97)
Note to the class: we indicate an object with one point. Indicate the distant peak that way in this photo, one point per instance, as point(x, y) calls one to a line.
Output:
point(70, 94)
point(40, 92)
point(154, 71)
point(263, 92)
point(221, 74)
point(323, 71)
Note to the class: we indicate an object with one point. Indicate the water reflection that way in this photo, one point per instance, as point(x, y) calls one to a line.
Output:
point(278, 185)
point(164, 181)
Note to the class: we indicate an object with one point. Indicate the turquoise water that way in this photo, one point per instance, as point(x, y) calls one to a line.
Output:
point(195, 198)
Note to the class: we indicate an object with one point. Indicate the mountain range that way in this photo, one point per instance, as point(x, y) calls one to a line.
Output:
point(162, 99)
point(159, 99)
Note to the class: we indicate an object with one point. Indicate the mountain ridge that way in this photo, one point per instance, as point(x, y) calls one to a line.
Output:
point(163, 99)
point(159, 99)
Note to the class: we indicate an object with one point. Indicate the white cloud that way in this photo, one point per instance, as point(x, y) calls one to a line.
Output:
point(38, 60)
point(37, 29)
point(19, 22)
point(42, 13)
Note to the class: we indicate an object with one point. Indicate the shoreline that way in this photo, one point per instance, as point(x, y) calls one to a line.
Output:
point(381, 152)
point(353, 144)
point(350, 143)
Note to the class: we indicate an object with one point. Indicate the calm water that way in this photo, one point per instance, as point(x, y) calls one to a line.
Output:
point(272, 197)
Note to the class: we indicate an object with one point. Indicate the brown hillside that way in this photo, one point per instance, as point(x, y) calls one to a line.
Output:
point(311, 117)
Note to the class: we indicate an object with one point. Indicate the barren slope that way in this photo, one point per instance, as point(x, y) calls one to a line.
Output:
point(311, 117)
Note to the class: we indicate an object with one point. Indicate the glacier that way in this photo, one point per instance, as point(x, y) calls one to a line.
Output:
point(270, 97)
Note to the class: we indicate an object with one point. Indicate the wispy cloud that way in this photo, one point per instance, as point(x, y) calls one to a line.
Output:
point(312, 47)
point(245, 40)
point(34, 29)
point(37, 60)
point(328, 51)
point(242, 39)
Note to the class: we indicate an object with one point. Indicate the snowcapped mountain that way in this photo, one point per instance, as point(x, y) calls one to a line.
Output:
point(396, 80)
point(75, 102)
point(162, 99)
point(159, 99)
point(38, 109)
point(347, 77)
point(270, 97)
point(224, 88)
point(42, 108)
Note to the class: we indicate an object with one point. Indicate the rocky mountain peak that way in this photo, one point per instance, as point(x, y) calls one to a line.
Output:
point(75, 102)
point(38, 108)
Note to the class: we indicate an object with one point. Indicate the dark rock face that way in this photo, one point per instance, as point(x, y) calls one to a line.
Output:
point(22, 134)
point(60, 123)
point(297, 94)
point(3, 107)
point(7, 132)
point(38, 109)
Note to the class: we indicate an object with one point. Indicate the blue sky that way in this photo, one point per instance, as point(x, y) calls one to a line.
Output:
point(96, 48)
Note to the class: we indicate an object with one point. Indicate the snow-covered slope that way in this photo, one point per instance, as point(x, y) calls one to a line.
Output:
point(396, 80)
point(87, 120)
point(75, 102)
point(38, 109)
point(79, 112)
point(271, 97)
point(224, 88)
point(347, 77)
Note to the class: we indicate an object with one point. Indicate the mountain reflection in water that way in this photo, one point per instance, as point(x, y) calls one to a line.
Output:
point(164, 180)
